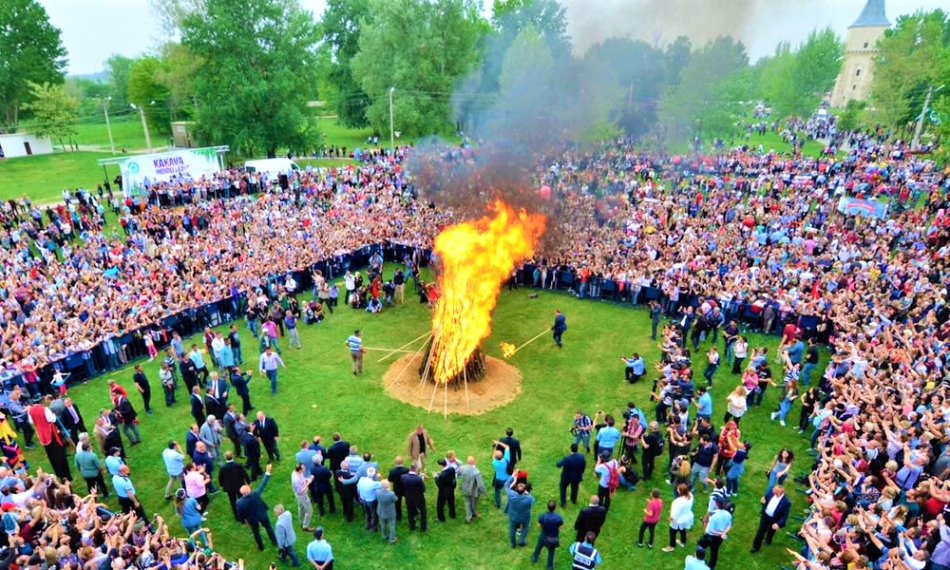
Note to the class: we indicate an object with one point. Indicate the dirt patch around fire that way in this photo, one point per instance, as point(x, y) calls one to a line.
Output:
point(501, 384)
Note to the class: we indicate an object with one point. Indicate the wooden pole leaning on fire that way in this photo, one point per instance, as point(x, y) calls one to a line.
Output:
point(401, 348)
point(509, 350)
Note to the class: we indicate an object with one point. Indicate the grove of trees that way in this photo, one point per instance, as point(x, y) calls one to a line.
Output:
point(246, 71)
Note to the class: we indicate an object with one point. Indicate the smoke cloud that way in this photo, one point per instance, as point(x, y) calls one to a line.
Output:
point(759, 24)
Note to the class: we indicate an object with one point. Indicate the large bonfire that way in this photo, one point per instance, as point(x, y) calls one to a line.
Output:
point(474, 260)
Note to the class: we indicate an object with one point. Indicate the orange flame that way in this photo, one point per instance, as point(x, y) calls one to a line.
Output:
point(476, 258)
point(507, 349)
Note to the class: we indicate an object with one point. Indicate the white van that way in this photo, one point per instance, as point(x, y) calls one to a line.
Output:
point(274, 166)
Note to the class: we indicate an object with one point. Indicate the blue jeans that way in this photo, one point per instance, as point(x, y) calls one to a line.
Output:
point(498, 484)
point(699, 473)
point(710, 372)
point(730, 353)
point(272, 376)
point(202, 537)
point(520, 529)
point(783, 408)
point(583, 436)
point(537, 552)
point(806, 374)
point(253, 327)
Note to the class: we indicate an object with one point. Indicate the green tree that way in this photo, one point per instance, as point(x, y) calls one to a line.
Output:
point(257, 73)
point(911, 58)
point(848, 119)
point(676, 56)
point(30, 51)
point(178, 67)
point(119, 68)
point(423, 49)
point(55, 112)
point(342, 22)
point(638, 71)
point(707, 100)
point(148, 92)
point(793, 82)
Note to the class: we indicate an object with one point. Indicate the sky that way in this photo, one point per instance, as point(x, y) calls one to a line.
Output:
point(95, 29)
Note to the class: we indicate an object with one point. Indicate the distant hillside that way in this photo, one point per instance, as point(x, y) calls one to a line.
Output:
point(98, 77)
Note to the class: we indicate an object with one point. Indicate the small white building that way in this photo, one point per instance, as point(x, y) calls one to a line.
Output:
point(24, 144)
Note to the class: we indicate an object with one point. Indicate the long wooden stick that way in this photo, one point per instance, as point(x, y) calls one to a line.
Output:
point(393, 350)
point(406, 367)
point(407, 345)
point(544, 332)
point(425, 371)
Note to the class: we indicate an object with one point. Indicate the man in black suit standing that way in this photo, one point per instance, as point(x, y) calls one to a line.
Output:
point(72, 420)
point(266, 429)
point(252, 510)
point(252, 450)
point(590, 519)
point(445, 483)
point(320, 486)
point(395, 479)
point(337, 452)
point(197, 406)
point(572, 473)
point(775, 509)
point(230, 429)
point(231, 478)
point(514, 449)
point(414, 489)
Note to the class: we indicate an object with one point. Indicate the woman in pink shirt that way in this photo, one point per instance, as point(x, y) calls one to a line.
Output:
point(196, 481)
point(651, 516)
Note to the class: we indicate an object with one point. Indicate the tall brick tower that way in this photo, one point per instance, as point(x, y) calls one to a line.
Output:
point(857, 70)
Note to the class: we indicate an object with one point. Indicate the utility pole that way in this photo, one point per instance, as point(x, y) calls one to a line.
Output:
point(105, 110)
point(919, 129)
point(148, 139)
point(392, 132)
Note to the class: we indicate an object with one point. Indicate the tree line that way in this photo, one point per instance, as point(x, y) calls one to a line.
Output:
point(247, 71)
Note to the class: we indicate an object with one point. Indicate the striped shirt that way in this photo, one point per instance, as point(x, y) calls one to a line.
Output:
point(355, 343)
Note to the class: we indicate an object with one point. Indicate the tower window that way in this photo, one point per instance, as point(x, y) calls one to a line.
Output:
point(857, 73)
point(854, 87)
point(865, 45)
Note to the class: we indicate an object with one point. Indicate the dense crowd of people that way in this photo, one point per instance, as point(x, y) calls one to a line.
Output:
point(711, 241)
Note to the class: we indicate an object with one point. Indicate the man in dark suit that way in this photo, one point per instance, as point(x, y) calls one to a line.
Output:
point(232, 477)
point(321, 486)
point(395, 479)
point(240, 382)
point(191, 440)
point(445, 483)
point(197, 406)
point(514, 449)
point(346, 487)
point(572, 473)
point(266, 429)
point(72, 420)
point(560, 326)
point(252, 450)
point(337, 452)
point(230, 429)
point(189, 373)
point(775, 509)
point(216, 396)
point(414, 489)
point(590, 519)
point(252, 510)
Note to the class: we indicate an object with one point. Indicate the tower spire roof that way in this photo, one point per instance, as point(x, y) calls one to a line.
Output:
point(873, 15)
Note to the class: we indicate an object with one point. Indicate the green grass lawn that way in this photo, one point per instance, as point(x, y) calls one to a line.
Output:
point(319, 395)
point(42, 177)
point(127, 133)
